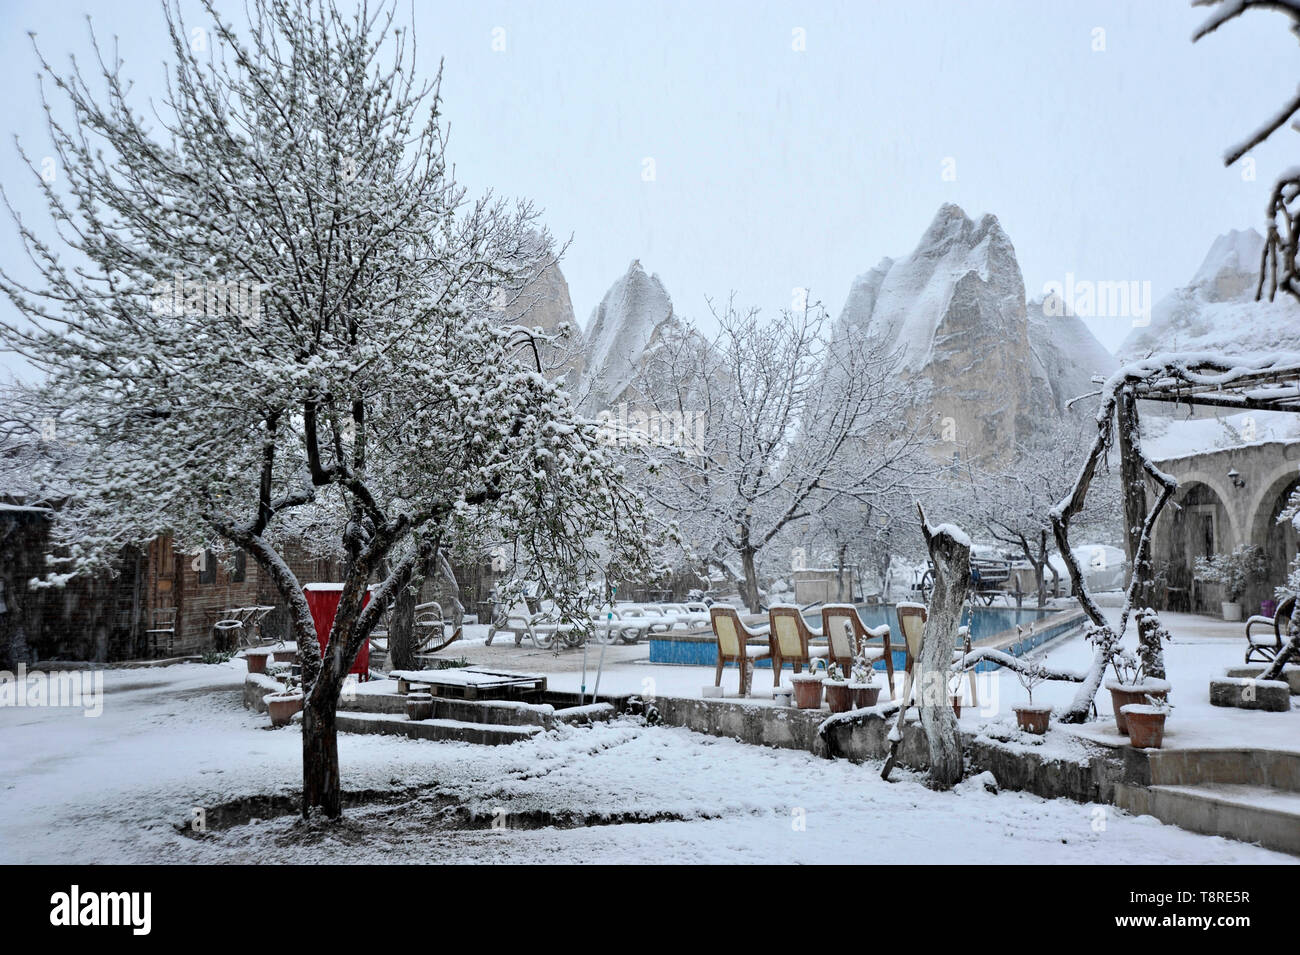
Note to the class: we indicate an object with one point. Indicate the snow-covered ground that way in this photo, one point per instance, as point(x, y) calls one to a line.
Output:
point(113, 788)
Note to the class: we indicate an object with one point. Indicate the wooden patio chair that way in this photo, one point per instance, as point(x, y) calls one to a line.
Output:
point(911, 620)
point(790, 638)
point(733, 645)
point(847, 634)
point(1264, 647)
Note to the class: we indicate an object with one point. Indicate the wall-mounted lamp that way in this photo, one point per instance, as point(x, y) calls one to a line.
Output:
point(1236, 478)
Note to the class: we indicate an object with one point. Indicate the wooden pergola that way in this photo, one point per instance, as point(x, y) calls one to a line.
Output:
point(1244, 383)
point(1265, 382)
point(1275, 388)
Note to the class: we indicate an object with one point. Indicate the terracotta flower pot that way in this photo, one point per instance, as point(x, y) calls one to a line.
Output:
point(256, 662)
point(1032, 718)
point(285, 656)
point(863, 695)
point(807, 691)
point(1123, 694)
point(838, 696)
point(1146, 725)
point(282, 706)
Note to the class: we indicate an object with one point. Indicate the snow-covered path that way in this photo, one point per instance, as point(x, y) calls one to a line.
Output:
point(112, 788)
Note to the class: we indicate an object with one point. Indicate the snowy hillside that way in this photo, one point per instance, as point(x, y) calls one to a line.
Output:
point(632, 315)
point(1217, 310)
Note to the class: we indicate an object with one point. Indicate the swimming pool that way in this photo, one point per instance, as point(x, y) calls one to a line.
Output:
point(990, 625)
point(988, 621)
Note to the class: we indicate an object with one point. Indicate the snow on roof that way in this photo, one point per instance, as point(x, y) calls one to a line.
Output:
point(1217, 309)
point(1167, 439)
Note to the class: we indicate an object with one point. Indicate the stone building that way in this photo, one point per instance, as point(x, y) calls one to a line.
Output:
point(1227, 497)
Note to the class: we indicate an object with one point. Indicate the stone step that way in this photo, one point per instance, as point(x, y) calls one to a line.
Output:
point(1250, 813)
point(1269, 768)
point(488, 734)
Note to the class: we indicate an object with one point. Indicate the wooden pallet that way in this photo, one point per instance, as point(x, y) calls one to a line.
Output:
point(473, 683)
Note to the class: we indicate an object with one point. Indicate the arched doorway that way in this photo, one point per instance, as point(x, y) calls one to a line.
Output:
point(1199, 527)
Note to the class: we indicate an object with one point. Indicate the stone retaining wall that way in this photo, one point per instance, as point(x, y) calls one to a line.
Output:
point(864, 735)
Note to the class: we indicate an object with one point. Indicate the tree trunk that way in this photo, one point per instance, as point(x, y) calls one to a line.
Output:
point(1040, 569)
point(750, 596)
point(951, 557)
point(401, 631)
point(1082, 703)
point(1133, 486)
point(321, 784)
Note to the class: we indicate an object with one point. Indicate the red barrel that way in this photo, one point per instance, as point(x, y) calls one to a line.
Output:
point(323, 602)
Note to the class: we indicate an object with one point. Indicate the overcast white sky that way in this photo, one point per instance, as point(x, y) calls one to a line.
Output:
point(777, 168)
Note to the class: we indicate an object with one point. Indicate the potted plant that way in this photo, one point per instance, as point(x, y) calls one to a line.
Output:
point(1031, 717)
point(838, 697)
point(1232, 571)
point(1146, 722)
point(807, 689)
point(1131, 686)
point(256, 660)
point(282, 706)
point(862, 685)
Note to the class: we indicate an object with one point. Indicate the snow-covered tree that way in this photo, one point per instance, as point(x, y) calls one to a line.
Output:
point(788, 420)
point(266, 310)
point(1013, 503)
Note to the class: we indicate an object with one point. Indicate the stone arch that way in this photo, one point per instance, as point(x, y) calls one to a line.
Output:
point(1279, 541)
point(1230, 530)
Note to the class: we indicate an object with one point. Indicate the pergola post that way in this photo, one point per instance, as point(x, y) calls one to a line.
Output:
point(1134, 487)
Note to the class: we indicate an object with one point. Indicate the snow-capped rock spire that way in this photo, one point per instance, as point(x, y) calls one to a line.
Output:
point(954, 310)
point(622, 327)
